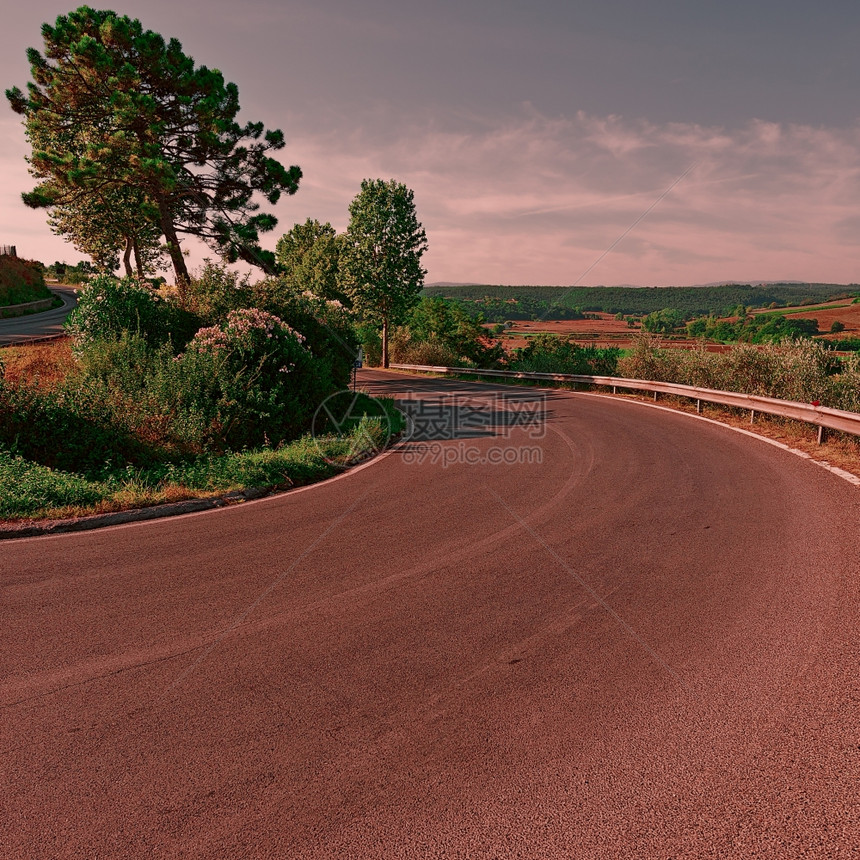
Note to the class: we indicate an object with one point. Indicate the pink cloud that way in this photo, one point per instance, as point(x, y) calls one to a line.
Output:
point(537, 199)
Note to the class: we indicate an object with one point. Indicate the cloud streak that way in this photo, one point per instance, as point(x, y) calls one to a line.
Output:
point(531, 198)
point(537, 199)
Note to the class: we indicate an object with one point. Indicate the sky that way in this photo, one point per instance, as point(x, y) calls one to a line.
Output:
point(553, 142)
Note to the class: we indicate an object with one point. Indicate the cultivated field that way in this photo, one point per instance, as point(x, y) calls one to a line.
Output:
point(608, 331)
point(827, 314)
point(604, 331)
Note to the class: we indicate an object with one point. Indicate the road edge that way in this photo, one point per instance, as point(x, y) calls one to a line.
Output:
point(834, 470)
point(174, 510)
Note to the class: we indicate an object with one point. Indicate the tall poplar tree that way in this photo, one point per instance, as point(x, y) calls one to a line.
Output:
point(380, 266)
point(114, 107)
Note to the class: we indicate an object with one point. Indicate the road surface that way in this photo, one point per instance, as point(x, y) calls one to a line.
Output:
point(644, 645)
point(38, 326)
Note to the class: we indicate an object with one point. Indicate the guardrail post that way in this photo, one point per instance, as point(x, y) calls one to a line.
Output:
point(822, 434)
point(615, 389)
point(752, 416)
point(698, 407)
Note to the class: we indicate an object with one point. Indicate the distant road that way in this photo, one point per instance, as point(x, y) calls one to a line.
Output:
point(36, 326)
point(641, 644)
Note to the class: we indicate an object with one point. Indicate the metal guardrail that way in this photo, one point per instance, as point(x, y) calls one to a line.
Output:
point(823, 417)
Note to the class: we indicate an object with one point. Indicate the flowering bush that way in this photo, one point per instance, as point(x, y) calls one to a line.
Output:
point(328, 327)
point(252, 380)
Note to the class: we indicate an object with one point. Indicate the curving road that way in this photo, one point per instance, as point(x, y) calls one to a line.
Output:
point(645, 645)
point(38, 326)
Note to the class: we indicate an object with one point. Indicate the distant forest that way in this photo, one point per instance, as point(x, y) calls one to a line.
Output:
point(500, 303)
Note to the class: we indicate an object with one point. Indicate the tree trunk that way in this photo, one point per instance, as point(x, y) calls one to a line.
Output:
point(126, 257)
point(180, 269)
point(385, 342)
point(138, 263)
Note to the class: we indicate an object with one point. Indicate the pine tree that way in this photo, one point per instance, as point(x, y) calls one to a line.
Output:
point(113, 107)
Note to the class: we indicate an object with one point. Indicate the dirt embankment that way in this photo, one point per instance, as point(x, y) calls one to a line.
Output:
point(21, 281)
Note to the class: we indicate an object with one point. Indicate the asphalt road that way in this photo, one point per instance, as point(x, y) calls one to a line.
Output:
point(644, 645)
point(37, 326)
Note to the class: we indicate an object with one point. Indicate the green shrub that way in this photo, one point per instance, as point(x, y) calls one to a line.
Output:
point(74, 426)
point(405, 350)
point(216, 290)
point(27, 488)
point(848, 344)
point(846, 385)
point(109, 306)
point(550, 353)
point(801, 370)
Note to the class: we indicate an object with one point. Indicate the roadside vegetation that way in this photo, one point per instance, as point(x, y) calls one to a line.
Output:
point(149, 401)
point(772, 355)
point(29, 489)
point(801, 370)
point(212, 383)
point(166, 394)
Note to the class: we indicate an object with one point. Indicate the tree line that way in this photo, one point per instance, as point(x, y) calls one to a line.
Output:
point(690, 302)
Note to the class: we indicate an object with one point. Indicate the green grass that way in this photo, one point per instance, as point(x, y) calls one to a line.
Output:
point(32, 491)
